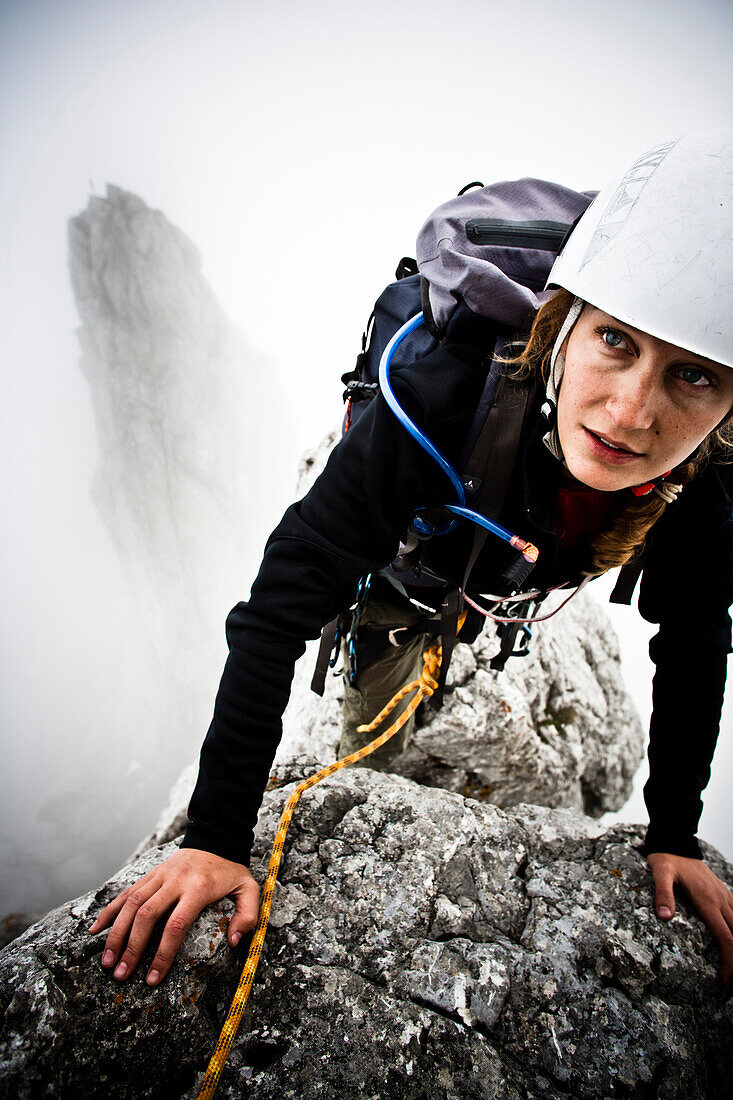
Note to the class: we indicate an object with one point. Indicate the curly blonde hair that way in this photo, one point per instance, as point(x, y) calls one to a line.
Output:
point(624, 533)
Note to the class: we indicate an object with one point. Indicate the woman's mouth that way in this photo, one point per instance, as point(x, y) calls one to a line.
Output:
point(608, 450)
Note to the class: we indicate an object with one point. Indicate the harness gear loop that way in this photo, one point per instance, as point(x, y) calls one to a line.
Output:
point(424, 686)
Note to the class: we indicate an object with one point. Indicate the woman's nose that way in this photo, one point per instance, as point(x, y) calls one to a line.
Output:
point(633, 400)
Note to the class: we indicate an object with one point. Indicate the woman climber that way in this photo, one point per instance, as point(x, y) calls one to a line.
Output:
point(627, 379)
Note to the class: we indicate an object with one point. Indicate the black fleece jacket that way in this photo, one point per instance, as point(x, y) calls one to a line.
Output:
point(350, 524)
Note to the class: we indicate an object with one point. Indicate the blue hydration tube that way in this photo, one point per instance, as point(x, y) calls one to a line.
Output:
point(423, 528)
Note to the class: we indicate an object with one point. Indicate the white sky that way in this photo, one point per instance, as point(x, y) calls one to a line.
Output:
point(300, 146)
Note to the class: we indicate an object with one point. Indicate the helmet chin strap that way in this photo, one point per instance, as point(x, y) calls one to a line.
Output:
point(557, 366)
point(551, 439)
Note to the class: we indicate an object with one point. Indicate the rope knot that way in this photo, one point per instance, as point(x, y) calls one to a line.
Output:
point(428, 681)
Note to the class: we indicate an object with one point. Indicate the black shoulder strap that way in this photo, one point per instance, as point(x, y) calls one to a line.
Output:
point(490, 463)
point(489, 467)
point(626, 582)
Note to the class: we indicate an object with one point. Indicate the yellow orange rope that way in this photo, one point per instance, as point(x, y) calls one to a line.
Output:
point(424, 686)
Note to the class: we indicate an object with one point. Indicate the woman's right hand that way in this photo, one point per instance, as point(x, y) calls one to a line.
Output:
point(186, 882)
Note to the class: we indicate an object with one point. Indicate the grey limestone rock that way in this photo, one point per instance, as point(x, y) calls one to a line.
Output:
point(422, 945)
point(13, 924)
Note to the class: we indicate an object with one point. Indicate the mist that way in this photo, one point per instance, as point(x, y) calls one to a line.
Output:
point(299, 147)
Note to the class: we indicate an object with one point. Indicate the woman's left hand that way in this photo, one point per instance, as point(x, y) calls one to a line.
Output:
point(711, 897)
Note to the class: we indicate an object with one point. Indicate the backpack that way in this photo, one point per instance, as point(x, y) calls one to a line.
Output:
point(482, 261)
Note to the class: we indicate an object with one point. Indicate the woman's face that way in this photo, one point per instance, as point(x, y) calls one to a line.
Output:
point(630, 406)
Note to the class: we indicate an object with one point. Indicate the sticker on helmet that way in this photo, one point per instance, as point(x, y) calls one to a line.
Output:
point(624, 199)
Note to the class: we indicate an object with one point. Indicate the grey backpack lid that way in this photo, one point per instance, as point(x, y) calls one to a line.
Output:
point(479, 247)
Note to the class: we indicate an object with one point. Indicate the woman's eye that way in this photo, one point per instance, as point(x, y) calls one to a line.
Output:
point(695, 377)
point(611, 337)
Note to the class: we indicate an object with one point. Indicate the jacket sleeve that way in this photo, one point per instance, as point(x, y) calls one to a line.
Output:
point(687, 588)
point(349, 524)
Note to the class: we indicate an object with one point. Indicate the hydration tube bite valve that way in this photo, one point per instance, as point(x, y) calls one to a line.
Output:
point(422, 527)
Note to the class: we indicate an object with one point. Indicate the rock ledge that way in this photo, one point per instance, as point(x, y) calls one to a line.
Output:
point(422, 944)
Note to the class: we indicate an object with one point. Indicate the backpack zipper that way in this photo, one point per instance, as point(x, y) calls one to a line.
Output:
point(546, 236)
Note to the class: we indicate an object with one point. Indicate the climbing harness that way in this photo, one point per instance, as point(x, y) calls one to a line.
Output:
point(424, 686)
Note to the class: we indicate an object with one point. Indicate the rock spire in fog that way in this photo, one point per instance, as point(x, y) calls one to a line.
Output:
point(184, 409)
point(188, 420)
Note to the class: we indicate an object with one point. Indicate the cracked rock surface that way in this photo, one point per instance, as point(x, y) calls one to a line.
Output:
point(422, 945)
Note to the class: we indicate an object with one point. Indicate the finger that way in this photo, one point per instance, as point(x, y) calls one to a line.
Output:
point(664, 890)
point(174, 933)
point(719, 927)
point(108, 914)
point(140, 895)
point(726, 910)
point(723, 935)
point(247, 899)
point(145, 920)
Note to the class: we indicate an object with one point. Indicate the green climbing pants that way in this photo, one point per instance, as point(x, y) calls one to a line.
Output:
point(381, 679)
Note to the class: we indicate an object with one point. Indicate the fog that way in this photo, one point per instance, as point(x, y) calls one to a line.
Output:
point(300, 147)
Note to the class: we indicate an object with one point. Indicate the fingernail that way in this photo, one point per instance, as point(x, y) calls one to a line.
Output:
point(153, 977)
point(121, 970)
point(108, 958)
point(236, 938)
point(92, 927)
point(664, 912)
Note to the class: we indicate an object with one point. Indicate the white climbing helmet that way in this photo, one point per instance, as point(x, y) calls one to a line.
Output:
point(655, 247)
